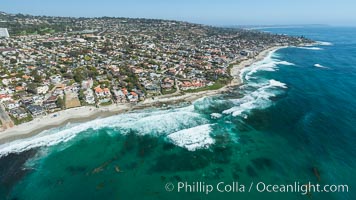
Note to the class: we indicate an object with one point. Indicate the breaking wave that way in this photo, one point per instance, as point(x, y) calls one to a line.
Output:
point(324, 43)
point(158, 123)
point(311, 48)
point(215, 115)
point(269, 63)
point(260, 98)
point(257, 91)
point(193, 138)
point(321, 66)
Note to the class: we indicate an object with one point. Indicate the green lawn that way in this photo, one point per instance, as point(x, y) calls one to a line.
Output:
point(217, 85)
point(106, 103)
point(169, 91)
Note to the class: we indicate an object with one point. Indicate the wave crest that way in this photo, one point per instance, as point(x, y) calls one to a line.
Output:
point(257, 93)
point(320, 66)
point(159, 122)
point(258, 99)
point(193, 138)
point(311, 48)
point(323, 43)
point(269, 63)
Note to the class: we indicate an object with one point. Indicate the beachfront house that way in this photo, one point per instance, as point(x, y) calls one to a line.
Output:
point(36, 110)
point(11, 105)
point(18, 113)
point(119, 96)
point(132, 97)
point(50, 103)
point(103, 95)
point(89, 96)
point(99, 92)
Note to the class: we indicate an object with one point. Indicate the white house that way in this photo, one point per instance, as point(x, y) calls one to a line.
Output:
point(4, 33)
point(89, 96)
point(11, 105)
point(42, 89)
point(55, 79)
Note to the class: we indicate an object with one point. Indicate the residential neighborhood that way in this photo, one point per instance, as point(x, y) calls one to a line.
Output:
point(48, 64)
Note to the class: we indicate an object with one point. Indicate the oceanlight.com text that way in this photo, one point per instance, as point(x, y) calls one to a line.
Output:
point(237, 187)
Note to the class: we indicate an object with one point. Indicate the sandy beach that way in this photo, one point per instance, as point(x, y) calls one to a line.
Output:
point(88, 113)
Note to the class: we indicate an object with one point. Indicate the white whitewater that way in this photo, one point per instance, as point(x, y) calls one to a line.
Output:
point(157, 123)
point(320, 66)
point(257, 91)
point(193, 138)
point(311, 48)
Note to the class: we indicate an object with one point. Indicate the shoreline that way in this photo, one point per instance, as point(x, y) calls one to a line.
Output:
point(89, 113)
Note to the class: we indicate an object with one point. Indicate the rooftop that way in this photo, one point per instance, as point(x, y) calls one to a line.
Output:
point(4, 32)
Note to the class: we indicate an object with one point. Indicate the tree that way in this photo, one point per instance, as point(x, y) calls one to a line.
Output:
point(60, 103)
point(13, 61)
point(81, 95)
point(78, 76)
point(32, 88)
point(87, 58)
point(37, 78)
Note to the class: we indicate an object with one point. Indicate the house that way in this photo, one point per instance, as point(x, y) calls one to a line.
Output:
point(103, 95)
point(107, 92)
point(4, 33)
point(99, 92)
point(166, 86)
point(37, 99)
point(247, 53)
point(114, 69)
point(89, 96)
point(141, 95)
point(42, 89)
point(119, 96)
point(19, 89)
point(26, 100)
point(58, 91)
point(151, 87)
point(18, 113)
point(55, 79)
point(36, 110)
point(50, 103)
point(87, 84)
point(11, 105)
point(132, 97)
point(137, 70)
point(186, 85)
point(4, 97)
point(124, 90)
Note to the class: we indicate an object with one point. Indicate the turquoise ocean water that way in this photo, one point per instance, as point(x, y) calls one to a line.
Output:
point(293, 120)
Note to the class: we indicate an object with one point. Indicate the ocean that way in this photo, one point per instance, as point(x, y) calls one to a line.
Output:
point(293, 121)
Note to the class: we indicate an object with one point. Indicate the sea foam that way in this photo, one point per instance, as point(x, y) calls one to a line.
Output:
point(269, 63)
point(158, 123)
point(215, 115)
point(320, 66)
point(258, 99)
point(322, 43)
point(311, 48)
point(193, 138)
point(257, 91)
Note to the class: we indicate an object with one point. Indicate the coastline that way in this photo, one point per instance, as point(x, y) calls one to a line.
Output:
point(89, 113)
